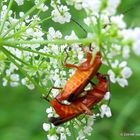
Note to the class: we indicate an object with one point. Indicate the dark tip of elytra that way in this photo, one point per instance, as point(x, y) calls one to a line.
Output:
point(54, 119)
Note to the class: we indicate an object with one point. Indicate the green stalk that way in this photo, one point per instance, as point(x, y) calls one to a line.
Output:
point(94, 54)
point(100, 40)
point(33, 51)
point(6, 15)
point(22, 70)
point(19, 59)
point(21, 19)
point(73, 132)
point(57, 6)
point(109, 64)
point(0, 8)
point(58, 41)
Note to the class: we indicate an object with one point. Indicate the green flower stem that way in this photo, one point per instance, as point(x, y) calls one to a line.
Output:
point(20, 59)
point(6, 15)
point(29, 50)
point(100, 40)
point(107, 60)
point(73, 132)
point(21, 19)
point(22, 70)
point(94, 54)
point(0, 7)
point(58, 42)
point(57, 7)
point(40, 79)
point(45, 19)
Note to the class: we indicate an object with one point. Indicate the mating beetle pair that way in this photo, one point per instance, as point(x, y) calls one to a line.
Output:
point(74, 87)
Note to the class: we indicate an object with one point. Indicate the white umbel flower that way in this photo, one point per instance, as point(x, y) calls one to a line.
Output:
point(49, 110)
point(46, 126)
point(136, 48)
point(112, 76)
point(28, 83)
point(107, 96)
point(118, 20)
point(91, 5)
point(19, 2)
point(52, 137)
point(105, 111)
point(122, 82)
point(52, 34)
point(123, 72)
point(126, 72)
point(62, 15)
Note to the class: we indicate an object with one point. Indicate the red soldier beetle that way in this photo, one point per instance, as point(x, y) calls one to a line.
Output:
point(81, 104)
point(84, 73)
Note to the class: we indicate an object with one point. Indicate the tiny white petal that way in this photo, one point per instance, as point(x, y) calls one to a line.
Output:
point(115, 64)
point(105, 110)
point(49, 110)
point(126, 72)
point(46, 127)
point(19, 2)
point(118, 20)
point(21, 14)
point(50, 115)
point(63, 136)
point(107, 96)
point(123, 64)
point(112, 76)
point(136, 47)
point(122, 82)
point(52, 137)
point(60, 130)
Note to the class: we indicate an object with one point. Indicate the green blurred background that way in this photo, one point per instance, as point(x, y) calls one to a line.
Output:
point(22, 112)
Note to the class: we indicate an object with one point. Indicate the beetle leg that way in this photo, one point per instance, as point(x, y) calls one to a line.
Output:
point(65, 61)
point(71, 65)
point(81, 67)
point(86, 109)
point(105, 75)
point(82, 107)
point(46, 97)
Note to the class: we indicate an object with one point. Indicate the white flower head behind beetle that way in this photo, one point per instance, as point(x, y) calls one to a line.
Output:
point(124, 73)
point(60, 13)
point(19, 2)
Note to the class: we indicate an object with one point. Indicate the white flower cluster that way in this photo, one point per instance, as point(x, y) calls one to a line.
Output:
point(28, 29)
point(53, 132)
point(124, 72)
point(93, 7)
point(42, 6)
point(60, 13)
point(119, 41)
point(19, 2)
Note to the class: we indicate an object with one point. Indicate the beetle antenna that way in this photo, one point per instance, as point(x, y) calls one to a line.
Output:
point(79, 25)
point(130, 8)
